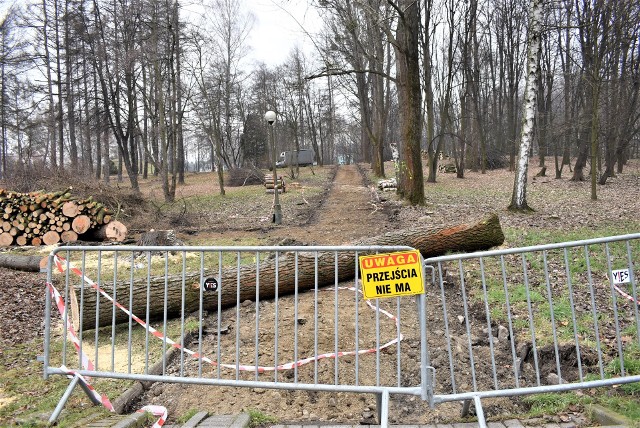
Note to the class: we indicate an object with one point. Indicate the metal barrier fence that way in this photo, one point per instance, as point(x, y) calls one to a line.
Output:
point(504, 323)
point(254, 325)
point(538, 319)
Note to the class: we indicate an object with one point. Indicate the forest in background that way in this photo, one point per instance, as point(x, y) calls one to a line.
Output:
point(138, 88)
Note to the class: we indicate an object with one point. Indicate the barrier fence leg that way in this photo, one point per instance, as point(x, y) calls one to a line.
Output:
point(63, 400)
point(382, 405)
point(479, 412)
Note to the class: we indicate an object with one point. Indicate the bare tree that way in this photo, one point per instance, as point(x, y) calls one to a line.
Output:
point(411, 183)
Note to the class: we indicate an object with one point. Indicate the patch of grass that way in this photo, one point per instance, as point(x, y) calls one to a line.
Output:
point(519, 295)
point(186, 416)
point(624, 405)
point(553, 403)
point(631, 363)
point(561, 310)
point(518, 237)
point(30, 398)
point(258, 419)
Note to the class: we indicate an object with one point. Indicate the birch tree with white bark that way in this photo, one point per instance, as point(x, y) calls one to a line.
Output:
point(519, 196)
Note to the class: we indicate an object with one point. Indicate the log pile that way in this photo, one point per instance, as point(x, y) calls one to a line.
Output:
point(268, 183)
point(38, 218)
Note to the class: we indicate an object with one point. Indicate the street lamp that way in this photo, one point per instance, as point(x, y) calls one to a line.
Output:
point(270, 117)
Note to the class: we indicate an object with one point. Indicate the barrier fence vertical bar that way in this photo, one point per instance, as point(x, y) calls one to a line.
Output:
point(463, 288)
point(615, 309)
point(357, 325)
point(632, 279)
point(315, 317)
point(238, 315)
point(594, 311)
point(335, 311)
point(514, 361)
point(295, 319)
point(219, 314)
point(47, 317)
point(65, 318)
point(532, 327)
point(147, 313)
point(257, 314)
point(165, 319)
point(182, 303)
point(489, 328)
point(377, 342)
point(398, 333)
point(446, 327)
point(80, 309)
point(113, 310)
point(425, 377)
point(132, 268)
point(553, 316)
point(573, 313)
point(97, 314)
point(277, 315)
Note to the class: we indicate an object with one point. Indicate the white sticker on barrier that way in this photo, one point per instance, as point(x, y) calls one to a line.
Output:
point(621, 276)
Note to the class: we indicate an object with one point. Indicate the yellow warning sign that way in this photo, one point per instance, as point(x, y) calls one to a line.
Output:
point(391, 274)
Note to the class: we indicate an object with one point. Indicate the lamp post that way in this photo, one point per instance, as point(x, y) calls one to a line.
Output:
point(270, 117)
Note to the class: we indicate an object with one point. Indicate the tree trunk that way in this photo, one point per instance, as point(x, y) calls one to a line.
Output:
point(411, 180)
point(519, 196)
point(25, 263)
point(430, 241)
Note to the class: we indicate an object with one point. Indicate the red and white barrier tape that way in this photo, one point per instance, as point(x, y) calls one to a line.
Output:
point(242, 367)
point(161, 410)
point(624, 294)
point(98, 397)
point(88, 365)
point(156, 411)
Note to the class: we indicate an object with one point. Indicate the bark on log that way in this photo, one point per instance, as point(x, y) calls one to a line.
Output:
point(25, 263)
point(430, 241)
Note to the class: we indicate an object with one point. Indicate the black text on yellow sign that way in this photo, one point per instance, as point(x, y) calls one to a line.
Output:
point(391, 274)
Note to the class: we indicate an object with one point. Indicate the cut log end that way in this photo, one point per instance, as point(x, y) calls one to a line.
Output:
point(51, 237)
point(113, 231)
point(6, 239)
point(81, 224)
point(69, 236)
point(70, 209)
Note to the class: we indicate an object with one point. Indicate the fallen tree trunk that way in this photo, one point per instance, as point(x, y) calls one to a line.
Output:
point(25, 263)
point(430, 241)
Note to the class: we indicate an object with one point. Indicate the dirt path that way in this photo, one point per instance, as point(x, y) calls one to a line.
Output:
point(349, 212)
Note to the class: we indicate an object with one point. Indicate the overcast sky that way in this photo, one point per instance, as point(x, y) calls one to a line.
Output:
point(280, 25)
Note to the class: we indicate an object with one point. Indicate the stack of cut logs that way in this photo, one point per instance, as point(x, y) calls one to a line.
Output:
point(268, 183)
point(38, 218)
